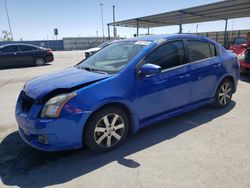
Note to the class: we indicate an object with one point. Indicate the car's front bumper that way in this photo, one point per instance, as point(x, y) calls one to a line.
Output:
point(62, 133)
point(244, 64)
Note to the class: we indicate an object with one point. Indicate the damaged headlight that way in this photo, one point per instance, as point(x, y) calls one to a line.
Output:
point(53, 106)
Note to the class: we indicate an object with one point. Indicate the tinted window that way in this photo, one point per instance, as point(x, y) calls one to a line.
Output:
point(9, 49)
point(26, 48)
point(240, 40)
point(198, 50)
point(168, 55)
point(213, 49)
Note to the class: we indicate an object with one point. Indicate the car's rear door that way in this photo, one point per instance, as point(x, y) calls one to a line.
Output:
point(203, 66)
point(8, 56)
point(169, 90)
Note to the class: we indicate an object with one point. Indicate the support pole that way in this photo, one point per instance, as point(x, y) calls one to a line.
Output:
point(114, 29)
point(108, 32)
point(225, 35)
point(7, 13)
point(180, 26)
point(137, 27)
point(148, 30)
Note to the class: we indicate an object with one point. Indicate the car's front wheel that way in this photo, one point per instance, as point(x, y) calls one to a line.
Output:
point(223, 94)
point(106, 129)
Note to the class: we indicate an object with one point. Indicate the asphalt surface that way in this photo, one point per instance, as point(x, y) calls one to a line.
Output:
point(203, 148)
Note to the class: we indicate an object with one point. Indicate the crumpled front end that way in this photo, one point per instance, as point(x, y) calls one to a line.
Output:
point(48, 134)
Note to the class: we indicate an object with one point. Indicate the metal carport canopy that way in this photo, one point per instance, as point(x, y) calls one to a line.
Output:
point(222, 10)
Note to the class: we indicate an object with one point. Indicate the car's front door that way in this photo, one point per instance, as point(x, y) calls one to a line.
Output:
point(8, 56)
point(161, 93)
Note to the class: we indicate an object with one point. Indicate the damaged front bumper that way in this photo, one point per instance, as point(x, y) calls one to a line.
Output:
point(56, 134)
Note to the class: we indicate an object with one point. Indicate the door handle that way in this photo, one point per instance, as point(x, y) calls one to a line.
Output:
point(184, 76)
point(217, 65)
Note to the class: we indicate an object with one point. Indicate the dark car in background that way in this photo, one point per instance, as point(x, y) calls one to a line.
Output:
point(24, 54)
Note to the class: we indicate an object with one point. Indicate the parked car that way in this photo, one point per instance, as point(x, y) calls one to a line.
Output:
point(128, 85)
point(24, 54)
point(240, 48)
point(91, 51)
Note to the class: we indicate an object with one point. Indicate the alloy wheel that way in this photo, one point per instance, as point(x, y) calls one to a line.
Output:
point(109, 130)
point(225, 93)
point(39, 62)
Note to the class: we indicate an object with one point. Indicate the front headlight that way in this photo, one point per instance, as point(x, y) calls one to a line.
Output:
point(53, 106)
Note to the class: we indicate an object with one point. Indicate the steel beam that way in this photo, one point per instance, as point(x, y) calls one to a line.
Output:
point(137, 27)
point(180, 24)
point(108, 32)
point(225, 34)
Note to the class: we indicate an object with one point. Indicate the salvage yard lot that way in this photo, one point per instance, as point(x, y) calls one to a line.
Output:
point(203, 148)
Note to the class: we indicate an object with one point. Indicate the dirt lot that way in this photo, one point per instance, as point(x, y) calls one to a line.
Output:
point(204, 148)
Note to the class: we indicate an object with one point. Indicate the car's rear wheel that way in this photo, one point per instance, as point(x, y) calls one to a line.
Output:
point(39, 61)
point(223, 94)
point(106, 129)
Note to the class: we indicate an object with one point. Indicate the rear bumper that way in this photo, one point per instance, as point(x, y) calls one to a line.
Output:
point(62, 133)
point(49, 58)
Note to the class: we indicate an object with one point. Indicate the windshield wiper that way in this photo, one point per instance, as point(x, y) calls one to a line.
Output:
point(93, 70)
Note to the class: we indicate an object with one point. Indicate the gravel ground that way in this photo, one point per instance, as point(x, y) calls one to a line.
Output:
point(203, 148)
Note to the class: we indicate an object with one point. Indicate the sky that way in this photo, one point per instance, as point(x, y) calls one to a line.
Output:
point(36, 19)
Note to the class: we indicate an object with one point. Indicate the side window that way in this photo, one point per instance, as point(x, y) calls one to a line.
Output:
point(198, 50)
point(167, 55)
point(9, 49)
point(24, 48)
point(213, 50)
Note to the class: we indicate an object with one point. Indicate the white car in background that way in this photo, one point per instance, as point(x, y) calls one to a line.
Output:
point(91, 51)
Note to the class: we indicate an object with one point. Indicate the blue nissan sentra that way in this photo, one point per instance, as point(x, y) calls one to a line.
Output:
point(123, 87)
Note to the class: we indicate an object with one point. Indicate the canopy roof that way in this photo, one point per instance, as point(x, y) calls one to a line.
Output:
point(222, 10)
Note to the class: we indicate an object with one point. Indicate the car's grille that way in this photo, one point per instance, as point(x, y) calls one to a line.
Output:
point(27, 102)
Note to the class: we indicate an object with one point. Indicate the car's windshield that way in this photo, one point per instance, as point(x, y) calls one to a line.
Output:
point(114, 57)
point(240, 40)
point(102, 45)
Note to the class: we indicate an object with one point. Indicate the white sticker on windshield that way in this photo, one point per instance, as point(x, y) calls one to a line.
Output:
point(145, 43)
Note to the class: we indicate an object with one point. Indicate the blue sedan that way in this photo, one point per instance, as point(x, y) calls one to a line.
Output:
point(125, 86)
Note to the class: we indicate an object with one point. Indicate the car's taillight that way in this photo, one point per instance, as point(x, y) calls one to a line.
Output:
point(49, 52)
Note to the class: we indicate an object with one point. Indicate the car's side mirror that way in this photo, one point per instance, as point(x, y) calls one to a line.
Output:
point(242, 46)
point(149, 69)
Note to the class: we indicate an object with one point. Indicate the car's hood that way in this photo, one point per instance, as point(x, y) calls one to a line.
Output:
point(68, 78)
point(93, 49)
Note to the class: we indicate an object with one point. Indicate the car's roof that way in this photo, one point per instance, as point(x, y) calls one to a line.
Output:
point(167, 36)
point(18, 44)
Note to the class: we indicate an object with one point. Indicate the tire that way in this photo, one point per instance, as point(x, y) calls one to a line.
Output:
point(223, 94)
point(106, 129)
point(39, 61)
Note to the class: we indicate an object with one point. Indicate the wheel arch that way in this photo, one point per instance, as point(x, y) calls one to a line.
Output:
point(231, 78)
point(133, 121)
